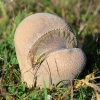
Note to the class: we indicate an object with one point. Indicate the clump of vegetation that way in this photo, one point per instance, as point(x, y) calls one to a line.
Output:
point(83, 16)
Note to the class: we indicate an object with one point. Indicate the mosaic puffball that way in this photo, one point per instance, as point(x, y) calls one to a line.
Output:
point(46, 49)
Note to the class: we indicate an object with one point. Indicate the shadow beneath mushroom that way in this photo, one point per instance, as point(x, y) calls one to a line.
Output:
point(91, 47)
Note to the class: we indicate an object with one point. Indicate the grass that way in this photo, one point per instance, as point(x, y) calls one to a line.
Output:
point(85, 20)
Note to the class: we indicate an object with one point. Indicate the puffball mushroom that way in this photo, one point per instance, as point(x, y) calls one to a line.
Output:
point(46, 49)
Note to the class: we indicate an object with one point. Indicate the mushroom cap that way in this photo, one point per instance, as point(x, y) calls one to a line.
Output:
point(36, 37)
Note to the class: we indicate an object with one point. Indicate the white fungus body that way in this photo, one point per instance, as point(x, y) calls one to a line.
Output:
point(44, 39)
